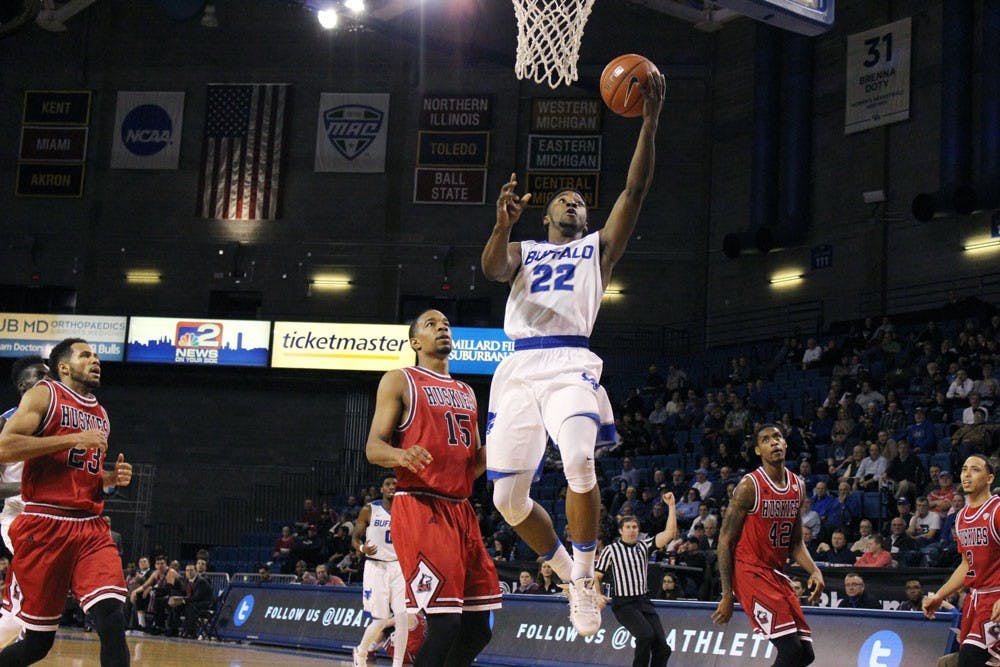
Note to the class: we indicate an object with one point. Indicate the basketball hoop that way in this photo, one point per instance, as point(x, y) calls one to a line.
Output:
point(548, 39)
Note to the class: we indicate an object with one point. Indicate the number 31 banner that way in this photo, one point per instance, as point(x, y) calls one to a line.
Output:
point(878, 77)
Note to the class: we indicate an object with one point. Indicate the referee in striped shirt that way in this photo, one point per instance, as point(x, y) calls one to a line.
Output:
point(626, 560)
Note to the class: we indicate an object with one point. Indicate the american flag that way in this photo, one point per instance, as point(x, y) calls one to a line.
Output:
point(244, 134)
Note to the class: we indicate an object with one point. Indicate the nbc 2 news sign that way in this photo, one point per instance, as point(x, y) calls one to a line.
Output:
point(166, 340)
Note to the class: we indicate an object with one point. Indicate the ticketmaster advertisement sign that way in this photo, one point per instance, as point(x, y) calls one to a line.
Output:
point(535, 630)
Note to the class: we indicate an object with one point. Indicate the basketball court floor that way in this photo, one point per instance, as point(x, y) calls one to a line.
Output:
point(75, 648)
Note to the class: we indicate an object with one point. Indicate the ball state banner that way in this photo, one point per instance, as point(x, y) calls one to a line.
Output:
point(168, 340)
point(351, 132)
point(23, 334)
point(477, 351)
point(147, 130)
point(339, 346)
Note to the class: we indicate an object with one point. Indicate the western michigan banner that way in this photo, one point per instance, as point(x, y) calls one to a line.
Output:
point(147, 130)
point(351, 132)
point(343, 347)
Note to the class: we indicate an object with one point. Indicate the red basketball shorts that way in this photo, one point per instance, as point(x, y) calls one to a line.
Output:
point(977, 628)
point(769, 601)
point(56, 554)
point(441, 552)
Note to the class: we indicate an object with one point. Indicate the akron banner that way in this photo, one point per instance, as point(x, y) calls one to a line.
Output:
point(351, 132)
point(23, 334)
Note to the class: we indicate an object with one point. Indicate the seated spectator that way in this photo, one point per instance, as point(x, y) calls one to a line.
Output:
point(906, 471)
point(195, 599)
point(678, 484)
point(711, 542)
point(893, 420)
point(973, 438)
point(938, 410)
point(719, 487)
point(630, 475)
point(525, 583)
point(920, 434)
point(944, 553)
point(988, 388)
point(310, 514)
point(162, 582)
point(813, 354)
point(902, 547)
point(820, 429)
point(925, 526)
point(668, 588)
point(960, 387)
point(547, 580)
point(324, 578)
point(654, 382)
point(914, 596)
point(309, 547)
point(810, 542)
point(702, 484)
point(875, 555)
point(870, 470)
point(338, 543)
point(656, 522)
point(688, 508)
point(869, 396)
point(349, 568)
point(855, 596)
point(903, 510)
point(727, 458)
point(848, 468)
point(703, 515)
point(281, 554)
point(810, 518)
point(263, 574)
point(837, 551)
point(865, 537)
point(940, 498)
point(302, 574)
point(822, 501)
point(975, 403)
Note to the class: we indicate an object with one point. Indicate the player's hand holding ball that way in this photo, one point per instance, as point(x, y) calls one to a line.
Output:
point(632, 86)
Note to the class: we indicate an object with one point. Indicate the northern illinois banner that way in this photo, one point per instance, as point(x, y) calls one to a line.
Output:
point(244, 141)
point(351, 132)
point(147, 130)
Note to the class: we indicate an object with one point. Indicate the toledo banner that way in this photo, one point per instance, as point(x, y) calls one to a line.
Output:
point(169, 340)
point(337, 346)
point(23, 334)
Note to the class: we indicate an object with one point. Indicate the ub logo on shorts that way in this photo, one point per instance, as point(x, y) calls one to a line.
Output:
point(351, 128)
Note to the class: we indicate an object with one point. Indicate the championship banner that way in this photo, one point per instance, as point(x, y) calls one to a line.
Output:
point(341, 347)
point(878, 77)
point(168, 340)
point(456, 112)
point(23, 334)
point(534, 630)
point(477, 351)
point(147, 130)
point(550, 114)
point(351, 132)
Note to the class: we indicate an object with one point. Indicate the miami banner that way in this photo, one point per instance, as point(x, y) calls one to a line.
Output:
point(351, 132)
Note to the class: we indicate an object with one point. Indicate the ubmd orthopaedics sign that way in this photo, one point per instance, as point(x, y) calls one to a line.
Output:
point(147, 130)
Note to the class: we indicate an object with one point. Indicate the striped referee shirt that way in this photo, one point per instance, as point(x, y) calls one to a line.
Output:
point(627, 564)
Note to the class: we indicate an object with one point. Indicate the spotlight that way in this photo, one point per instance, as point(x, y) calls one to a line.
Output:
point(327, 18)
point(356, 6)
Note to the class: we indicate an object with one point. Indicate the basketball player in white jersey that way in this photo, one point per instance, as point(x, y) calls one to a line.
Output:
point(25, 373)
point(384, 584)
point(549, 387)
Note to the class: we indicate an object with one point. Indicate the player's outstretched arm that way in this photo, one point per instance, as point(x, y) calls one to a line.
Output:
point(933, 601)
point(742, 502)
point(625, 212)
point(390, 404)
point(18, 442)
point(501, 258)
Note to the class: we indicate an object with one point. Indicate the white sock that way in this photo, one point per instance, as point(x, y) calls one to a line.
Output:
point(399, 638)
point(562, 563)
point(583, 560)
point(10, 628)
point(372, 633)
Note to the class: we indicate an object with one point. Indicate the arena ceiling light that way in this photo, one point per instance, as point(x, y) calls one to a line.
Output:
point(328, 17)
point(786, 279)
point(988, 244)
point(142, 277)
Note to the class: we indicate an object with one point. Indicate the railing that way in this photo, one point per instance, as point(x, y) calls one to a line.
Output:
point(925, 296)
point(254, 578)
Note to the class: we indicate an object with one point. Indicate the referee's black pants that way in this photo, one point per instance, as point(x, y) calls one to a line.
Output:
point(639, 617)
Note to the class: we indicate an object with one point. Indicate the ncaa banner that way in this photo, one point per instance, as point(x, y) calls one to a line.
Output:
point(147, 130)
point(351, 132)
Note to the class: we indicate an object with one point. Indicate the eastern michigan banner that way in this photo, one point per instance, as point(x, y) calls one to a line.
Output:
point(23, 334)
point(147, 130)
point(351, 132)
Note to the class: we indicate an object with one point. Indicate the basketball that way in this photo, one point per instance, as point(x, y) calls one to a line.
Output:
point(621, 81)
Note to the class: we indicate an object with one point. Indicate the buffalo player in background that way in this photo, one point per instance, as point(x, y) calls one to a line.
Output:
point(60, 431)
point(25, 373)
point(977, 528)
point(426, 427)
point(762, 527)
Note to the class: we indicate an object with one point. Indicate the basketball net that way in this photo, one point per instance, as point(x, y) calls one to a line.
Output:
point(548, 39)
